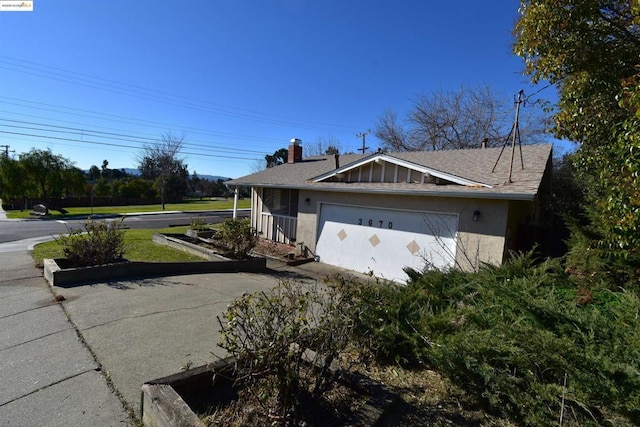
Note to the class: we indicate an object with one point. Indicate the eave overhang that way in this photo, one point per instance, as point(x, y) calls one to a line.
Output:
point(480, 193)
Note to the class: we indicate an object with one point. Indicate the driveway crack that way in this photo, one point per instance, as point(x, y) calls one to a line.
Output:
point(153, 313)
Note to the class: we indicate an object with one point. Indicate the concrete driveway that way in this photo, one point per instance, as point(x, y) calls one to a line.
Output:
point(145, 329)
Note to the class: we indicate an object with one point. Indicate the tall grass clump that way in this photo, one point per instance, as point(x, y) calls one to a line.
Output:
point(510, 335)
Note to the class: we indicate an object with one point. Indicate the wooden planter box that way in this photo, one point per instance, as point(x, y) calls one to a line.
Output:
point(168, 401)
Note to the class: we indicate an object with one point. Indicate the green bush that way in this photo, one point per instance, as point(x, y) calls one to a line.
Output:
point(510, 334)
point(237, 237)
point(198, 224)
point(101, 243)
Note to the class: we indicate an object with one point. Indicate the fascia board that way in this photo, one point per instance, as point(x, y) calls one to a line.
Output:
point(347, 167)
point(453, 194)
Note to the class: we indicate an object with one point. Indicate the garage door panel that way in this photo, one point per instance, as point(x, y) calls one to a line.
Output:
point(393, 241)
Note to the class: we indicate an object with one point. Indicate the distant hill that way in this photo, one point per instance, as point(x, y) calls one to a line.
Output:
point(136, 172)
point(213, 177)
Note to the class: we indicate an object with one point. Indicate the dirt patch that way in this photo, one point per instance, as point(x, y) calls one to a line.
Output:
point(276, 250)
point(335, 408)
point(426, 399)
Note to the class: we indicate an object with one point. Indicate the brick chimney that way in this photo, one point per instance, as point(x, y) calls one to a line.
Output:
point(295, 151)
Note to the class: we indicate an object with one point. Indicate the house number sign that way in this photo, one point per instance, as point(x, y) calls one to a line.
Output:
point(380, 223)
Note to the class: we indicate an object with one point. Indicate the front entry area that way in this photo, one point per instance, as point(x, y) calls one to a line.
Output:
point(384, 241)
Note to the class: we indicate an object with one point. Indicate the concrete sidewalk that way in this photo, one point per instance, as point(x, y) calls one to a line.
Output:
point(49, 377)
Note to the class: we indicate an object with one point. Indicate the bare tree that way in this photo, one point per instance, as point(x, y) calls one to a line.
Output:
point(458, 119)
point(323, 146)
point(258, 165)
point(162, 162)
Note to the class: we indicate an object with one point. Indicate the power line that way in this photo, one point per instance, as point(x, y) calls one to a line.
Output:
point(525, 100)
point(111, 135)
point(162, 97)
point(118, 145)
point(139, 133)
point(118, 119)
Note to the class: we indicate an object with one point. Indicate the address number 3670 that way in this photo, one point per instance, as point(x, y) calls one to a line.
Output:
point(379, 223)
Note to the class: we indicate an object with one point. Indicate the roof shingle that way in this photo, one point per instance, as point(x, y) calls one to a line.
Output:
point(472, 164)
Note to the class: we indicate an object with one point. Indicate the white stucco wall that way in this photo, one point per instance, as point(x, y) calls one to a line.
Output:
point(480, 241)
point(483, 241)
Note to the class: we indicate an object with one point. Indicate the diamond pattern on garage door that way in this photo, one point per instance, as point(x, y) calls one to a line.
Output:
point(413, 247)
point(396, 239)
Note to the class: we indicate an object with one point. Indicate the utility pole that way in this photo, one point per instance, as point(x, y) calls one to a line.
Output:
point(514, 136)
point(363, 135)
point(6, 150)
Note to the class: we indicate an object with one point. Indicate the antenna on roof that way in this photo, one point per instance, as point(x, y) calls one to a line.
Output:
point(513, 135)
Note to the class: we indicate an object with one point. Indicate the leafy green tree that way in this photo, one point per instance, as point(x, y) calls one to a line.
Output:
point(105, 168)
point(73, 182)
point(587, 48)
point(94, 173)
point(50, 175)
point(102, 188)
point(280, 157)
point(590, 49)
point(130, 188)
point(12, 183)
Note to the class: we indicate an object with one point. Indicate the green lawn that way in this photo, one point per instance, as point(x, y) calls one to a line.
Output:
point(193, 205)
point(138, 247)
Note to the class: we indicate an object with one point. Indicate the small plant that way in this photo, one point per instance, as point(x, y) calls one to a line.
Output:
point(237, 237)
point(268, 333)
point(198, 224)
point(102, 243)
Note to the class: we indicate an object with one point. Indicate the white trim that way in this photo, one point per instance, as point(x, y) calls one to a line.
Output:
point(399, 162)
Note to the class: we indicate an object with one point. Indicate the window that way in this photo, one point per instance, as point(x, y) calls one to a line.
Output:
point(280, 201)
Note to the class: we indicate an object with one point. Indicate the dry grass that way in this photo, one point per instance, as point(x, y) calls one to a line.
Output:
point(426, 399)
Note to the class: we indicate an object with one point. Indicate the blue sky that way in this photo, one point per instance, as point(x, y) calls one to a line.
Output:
point(237, 78)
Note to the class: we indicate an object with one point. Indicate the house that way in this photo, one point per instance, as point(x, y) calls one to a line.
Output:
point(382, 212)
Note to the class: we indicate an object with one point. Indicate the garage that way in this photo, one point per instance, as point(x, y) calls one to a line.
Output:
point(384, 241)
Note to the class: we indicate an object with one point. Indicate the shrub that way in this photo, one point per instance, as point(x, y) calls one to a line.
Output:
point(269, 332)
point(510, 334)
point(102, 243)
point(237, 237)
point(198, 224)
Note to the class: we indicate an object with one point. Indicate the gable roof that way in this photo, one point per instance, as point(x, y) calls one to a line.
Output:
point(395, 161)
point(452, 173)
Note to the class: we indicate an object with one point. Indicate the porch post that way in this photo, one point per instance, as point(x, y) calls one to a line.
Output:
point(235, 203)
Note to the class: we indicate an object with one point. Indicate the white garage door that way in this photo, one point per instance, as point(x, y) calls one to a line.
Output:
point(384, 241)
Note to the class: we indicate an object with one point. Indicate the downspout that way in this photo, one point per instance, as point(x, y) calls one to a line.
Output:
point(235, 202)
